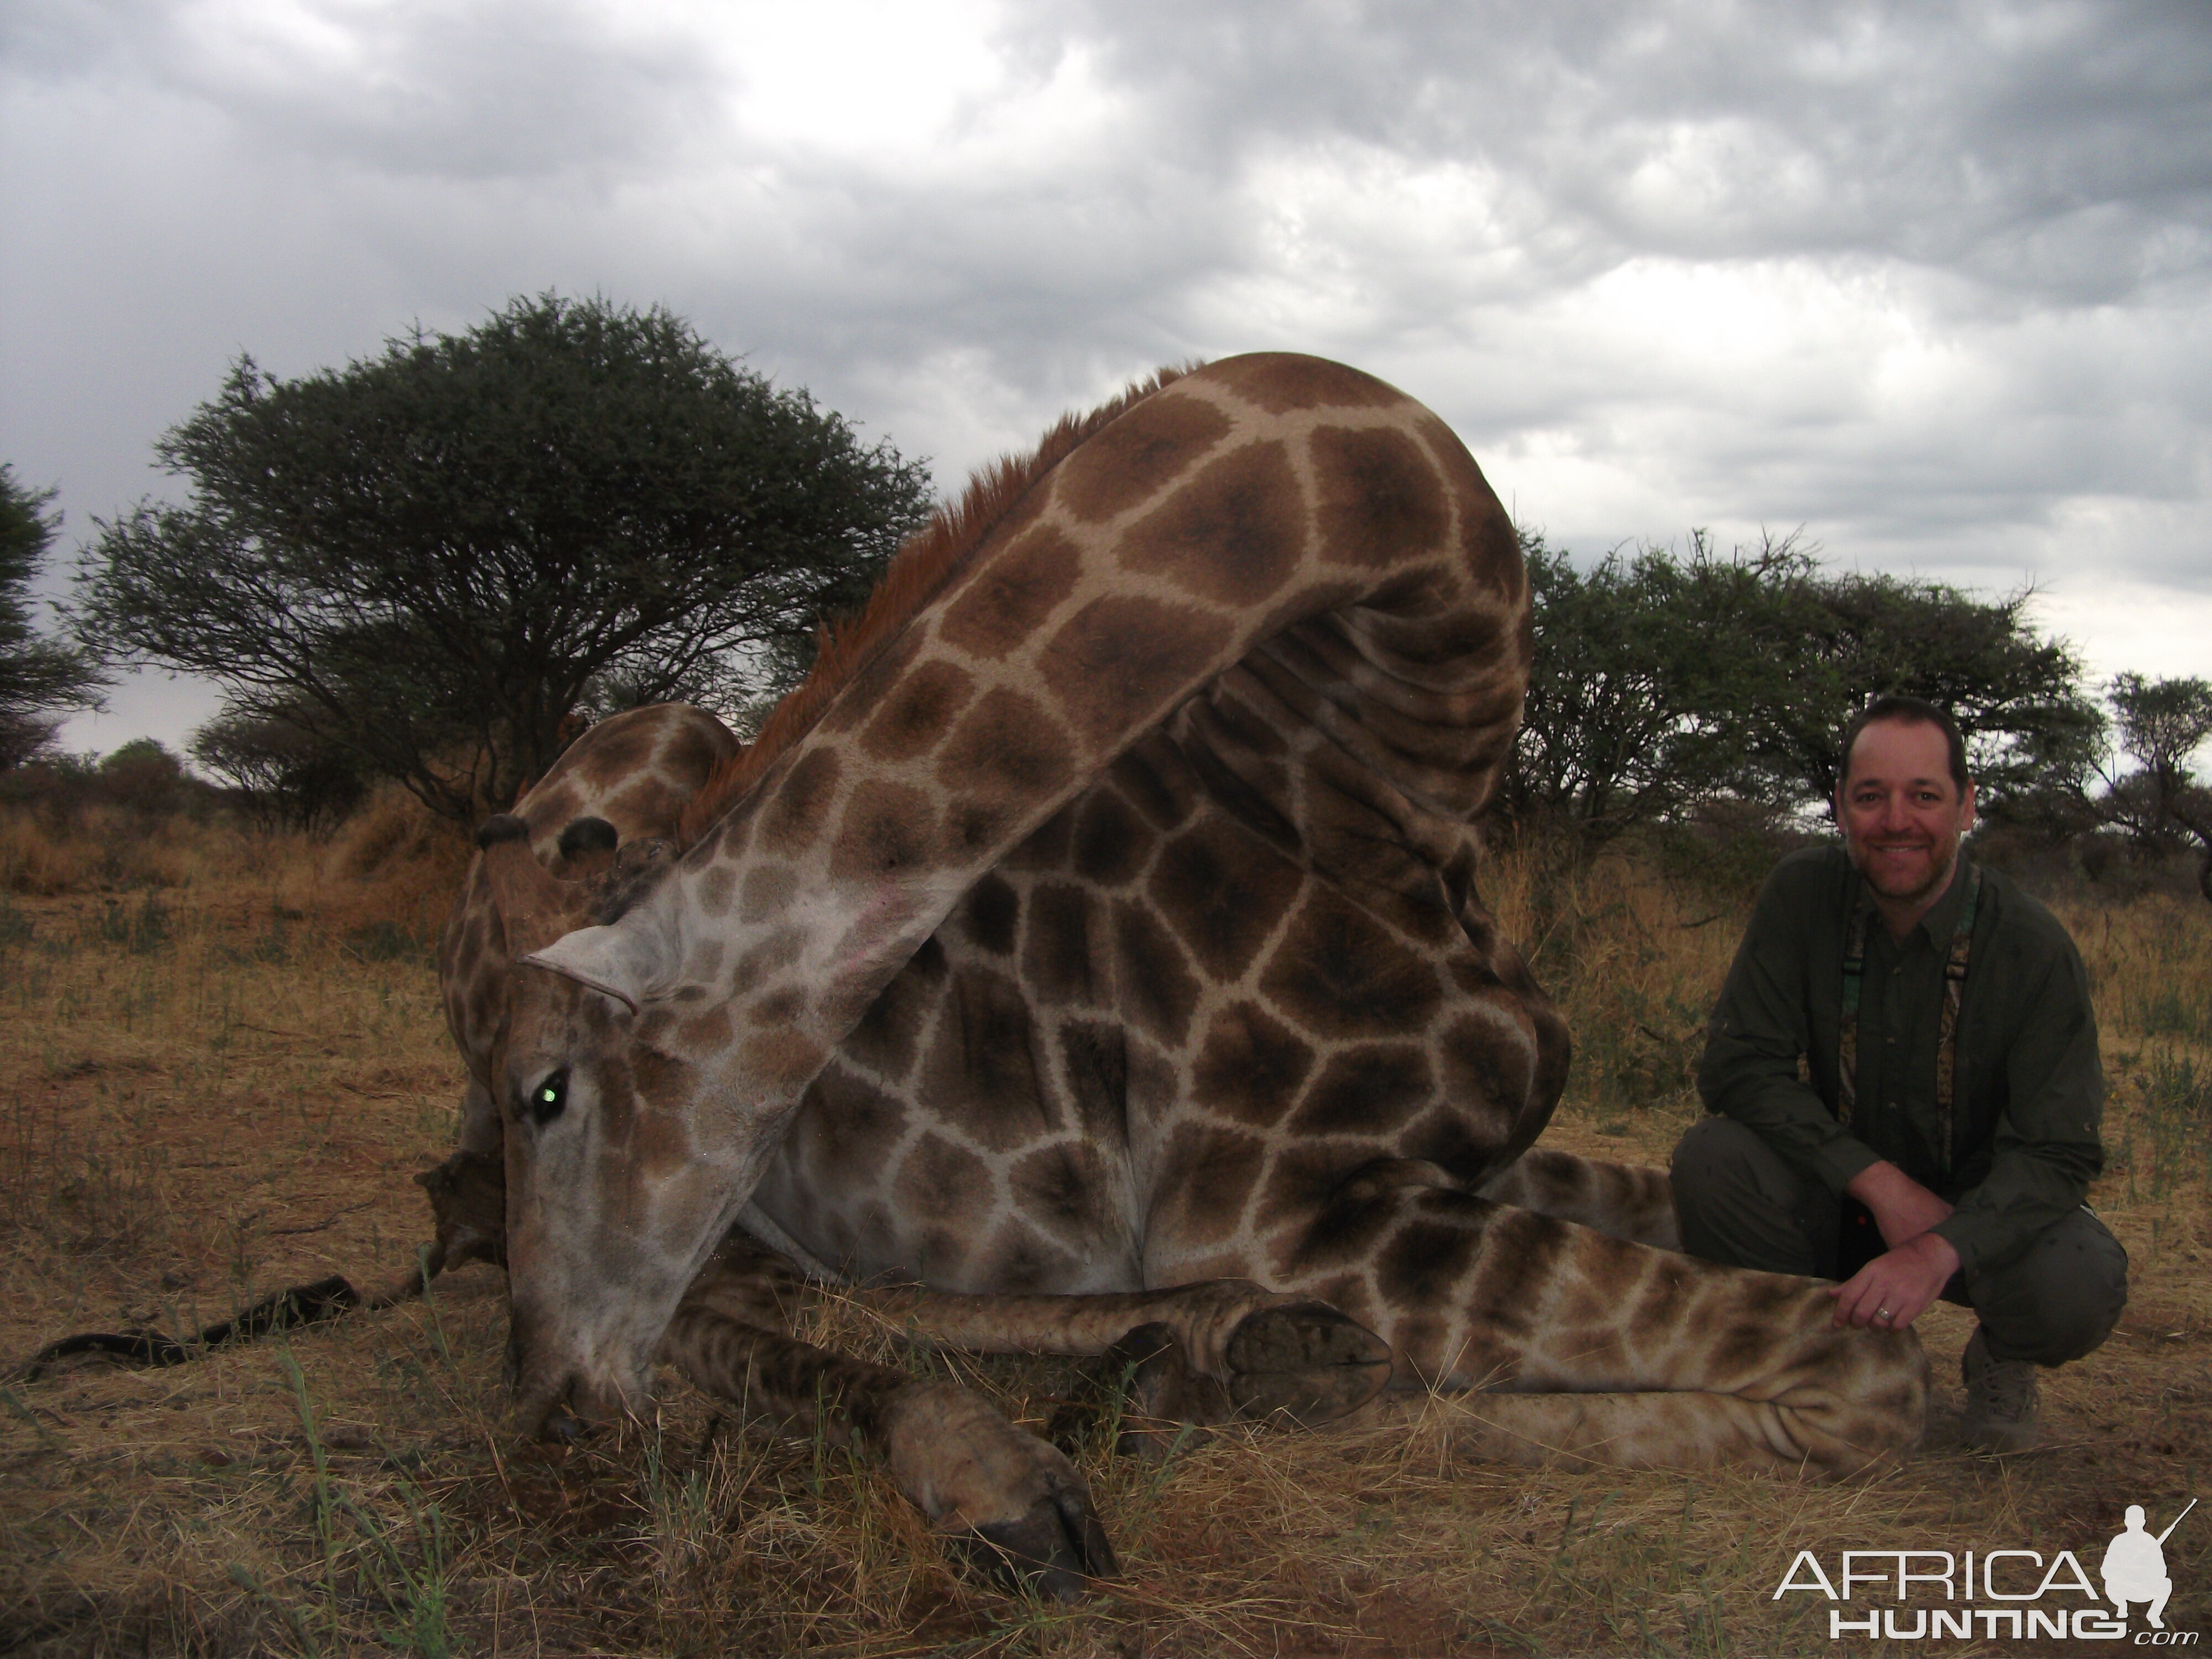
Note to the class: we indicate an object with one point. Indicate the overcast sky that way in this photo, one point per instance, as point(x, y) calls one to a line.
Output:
point(1933, 281)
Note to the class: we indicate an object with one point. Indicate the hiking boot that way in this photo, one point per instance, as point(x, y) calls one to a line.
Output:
point(2002, 1412)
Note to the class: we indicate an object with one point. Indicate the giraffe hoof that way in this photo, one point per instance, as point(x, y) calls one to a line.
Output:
point(1056, 1547)
point(1306, 1361)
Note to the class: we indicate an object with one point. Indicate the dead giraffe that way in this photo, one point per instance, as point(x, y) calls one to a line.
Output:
point(1102, 924)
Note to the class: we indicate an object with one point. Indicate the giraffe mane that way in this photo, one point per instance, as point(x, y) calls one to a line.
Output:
point(925, 562)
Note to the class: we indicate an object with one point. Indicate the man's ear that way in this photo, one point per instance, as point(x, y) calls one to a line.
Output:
point(627, 962)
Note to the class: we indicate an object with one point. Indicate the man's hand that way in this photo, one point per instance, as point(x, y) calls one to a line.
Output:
point(1896, 1288)
point(1903, 1208)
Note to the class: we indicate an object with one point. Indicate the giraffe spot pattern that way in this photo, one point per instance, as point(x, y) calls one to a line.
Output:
point(1223, 893)
point(886, 831)
point(1340, 974)
point(981, 1071)
point(1010, 747)
point(1109, 841)
point(1138, 455)
point(990, 916)
point(919, 711)
point(1378, 497)
point(798, 814)
point(1371, 1090)
point(1210, 1173)
point(1251, 1066)
point(1012, 597)
point(1117, 662)
point(1059, 957)
point(1279, 382)
point(1157, 986)
point(1233, 535)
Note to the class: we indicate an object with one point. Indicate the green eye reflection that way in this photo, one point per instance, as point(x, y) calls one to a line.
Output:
point(550, 1098)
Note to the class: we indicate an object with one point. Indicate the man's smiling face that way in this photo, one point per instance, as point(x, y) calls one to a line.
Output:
point(1903, 814)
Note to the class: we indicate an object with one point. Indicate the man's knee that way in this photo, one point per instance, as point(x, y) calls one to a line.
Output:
point(1737, 1202)
point(2060, 1299)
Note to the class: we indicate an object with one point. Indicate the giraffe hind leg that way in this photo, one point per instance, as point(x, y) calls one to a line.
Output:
point(1548, 1340)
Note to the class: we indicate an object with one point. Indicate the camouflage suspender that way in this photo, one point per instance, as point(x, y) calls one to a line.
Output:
point(1947, 1040)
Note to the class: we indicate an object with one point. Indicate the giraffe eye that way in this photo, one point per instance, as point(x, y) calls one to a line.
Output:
point(549, 1098)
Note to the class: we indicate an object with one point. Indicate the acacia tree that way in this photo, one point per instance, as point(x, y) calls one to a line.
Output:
point(1662, 683)
point(2160, 805)
point(437, 557)
point(40, 678)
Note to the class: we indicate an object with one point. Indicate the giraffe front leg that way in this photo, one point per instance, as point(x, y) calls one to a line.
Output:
point(1544, 1340)
point(1267, 1353)
point(1013, 1500)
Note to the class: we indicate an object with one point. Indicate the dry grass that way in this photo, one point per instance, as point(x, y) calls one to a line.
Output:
point(219, 1086)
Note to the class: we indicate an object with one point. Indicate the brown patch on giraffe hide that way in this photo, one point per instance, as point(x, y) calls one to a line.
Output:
point(1009, 747)
point(980, 1070)
point(1372, 1089)
point(1340, 975)
point(887, 1039)
point(1223, 891)
point(918, 711)
point(1280, 381)
point(1118, 664)
point(1155, 777)
point(1516, 1268)
point(1157, 990)
point(1094, 1076)
point(781, 1058)
point(1046, 845)
point(716, 889)
point(948, 1192)
point(769, 891)
point(621, 749)
point(1305, 1184)
point(888, 830)
point(1108, 842)
point(1062, 1187)
point(1447, 1139)
point(1251, 1066)
point(1008, 602)
point(712, 1030)
point(1059, 954)
point(1231, 535)
point(1138, 456)
point(1379, 496)
point(989, 916)
point(1017, 1260)
point(795, 818)
point(994, 503)
point(1485, 1064)
point(1424, 1261)
point(1207, 1173)
point(847, 1126)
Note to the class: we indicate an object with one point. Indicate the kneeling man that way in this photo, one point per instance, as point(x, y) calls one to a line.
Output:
point(1903, 1068)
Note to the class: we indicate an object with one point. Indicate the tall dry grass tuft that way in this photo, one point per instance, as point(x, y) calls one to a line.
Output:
point(213, 1089)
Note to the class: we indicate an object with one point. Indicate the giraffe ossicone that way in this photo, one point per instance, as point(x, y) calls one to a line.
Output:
point(1098, 938)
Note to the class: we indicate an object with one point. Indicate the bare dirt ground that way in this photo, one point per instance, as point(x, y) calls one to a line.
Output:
point(210, 1092)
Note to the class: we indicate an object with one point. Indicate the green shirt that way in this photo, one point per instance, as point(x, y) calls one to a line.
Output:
point(2029, 1091)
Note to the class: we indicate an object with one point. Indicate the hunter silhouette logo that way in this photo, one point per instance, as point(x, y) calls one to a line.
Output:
point(1999, 1595)
point(2135, 1566)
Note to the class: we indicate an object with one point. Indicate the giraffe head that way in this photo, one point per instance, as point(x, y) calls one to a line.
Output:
point(596, 1144)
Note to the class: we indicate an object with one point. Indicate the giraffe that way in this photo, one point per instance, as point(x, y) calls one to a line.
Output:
point(1096, 938)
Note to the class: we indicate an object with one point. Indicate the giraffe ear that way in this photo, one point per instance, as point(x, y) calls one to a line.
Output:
point(624, 962)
